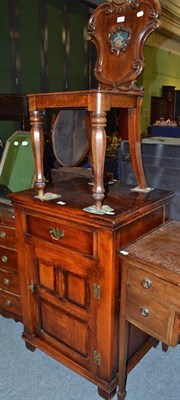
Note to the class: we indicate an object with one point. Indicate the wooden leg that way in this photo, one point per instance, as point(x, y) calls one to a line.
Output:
point(30, 347)
point(98, 123)
point(121, 396)
point(135, 146)
point(106, 395)
point(37, 137)
point(165, 347)
point(123, 336)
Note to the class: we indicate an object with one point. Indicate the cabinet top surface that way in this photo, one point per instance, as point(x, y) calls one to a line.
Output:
point(76, 193)
point(159, 248)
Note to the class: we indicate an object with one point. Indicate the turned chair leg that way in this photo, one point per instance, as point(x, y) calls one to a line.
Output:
point(121, 396)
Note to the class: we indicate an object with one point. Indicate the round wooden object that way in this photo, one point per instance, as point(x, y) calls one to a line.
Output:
point(70, 136)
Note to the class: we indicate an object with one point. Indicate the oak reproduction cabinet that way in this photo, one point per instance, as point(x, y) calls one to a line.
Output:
point(69, 274)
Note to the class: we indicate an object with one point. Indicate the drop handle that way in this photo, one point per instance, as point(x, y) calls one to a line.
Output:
point(56, 233)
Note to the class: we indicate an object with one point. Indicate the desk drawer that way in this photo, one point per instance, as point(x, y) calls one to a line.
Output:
point(10, 302)
point(146, 283)
point(8, 259)
point(147, 314)
point(9, 282)
point(7, 237)
point(63, 234)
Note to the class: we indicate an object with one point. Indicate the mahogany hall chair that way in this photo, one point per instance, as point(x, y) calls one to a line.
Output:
point(119, 32)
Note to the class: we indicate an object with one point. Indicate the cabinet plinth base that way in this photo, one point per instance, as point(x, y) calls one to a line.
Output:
point(106, 395)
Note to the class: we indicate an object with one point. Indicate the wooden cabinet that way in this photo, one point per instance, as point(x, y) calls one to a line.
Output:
point(150, 289)
point(164, 106)
point(69, 274)
point(10, 302)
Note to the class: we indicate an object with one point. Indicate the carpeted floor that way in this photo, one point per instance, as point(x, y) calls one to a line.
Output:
point(35, 376)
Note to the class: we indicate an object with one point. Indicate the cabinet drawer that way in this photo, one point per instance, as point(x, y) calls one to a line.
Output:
point(147, 314)
point(63, 234)
point(10, 302)
point(8, 259)
point(6, 215)
point(147, 283)
point(7, 237)
point(9, 282)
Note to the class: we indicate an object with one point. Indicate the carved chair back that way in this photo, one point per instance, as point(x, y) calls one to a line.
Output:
point(119, 32)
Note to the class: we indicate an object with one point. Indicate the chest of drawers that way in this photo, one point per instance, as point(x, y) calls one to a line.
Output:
point(69, 275)
point(10, 302)
point(150, 289)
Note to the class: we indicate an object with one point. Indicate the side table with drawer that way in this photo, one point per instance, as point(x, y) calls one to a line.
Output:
point(10, 301)
point(150, 290)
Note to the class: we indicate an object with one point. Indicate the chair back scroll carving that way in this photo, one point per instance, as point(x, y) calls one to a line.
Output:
point(119, 32)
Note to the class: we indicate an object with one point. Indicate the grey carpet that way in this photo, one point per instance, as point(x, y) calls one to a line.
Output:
point(35, 376)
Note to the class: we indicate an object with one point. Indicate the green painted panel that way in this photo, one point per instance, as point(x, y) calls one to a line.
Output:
point(17, 164)
point(55, 21)
point(76, 49)
point(30, 46)
point(5, 51)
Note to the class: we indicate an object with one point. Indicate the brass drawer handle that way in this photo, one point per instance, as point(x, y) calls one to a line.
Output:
point(6, 281)
point(4, 259)
point(144, 311)
point(8, 302)
point(2, 234)
point(56, 233)
point(147, 284)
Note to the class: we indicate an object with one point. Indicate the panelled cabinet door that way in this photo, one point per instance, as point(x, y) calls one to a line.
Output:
point(60, 291)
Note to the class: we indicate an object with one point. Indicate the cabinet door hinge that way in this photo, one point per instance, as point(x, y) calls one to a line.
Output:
point(97, 358)
point(31, 287)
point(97, 291)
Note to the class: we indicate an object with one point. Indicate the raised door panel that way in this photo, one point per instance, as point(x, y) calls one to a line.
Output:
point(62, 301)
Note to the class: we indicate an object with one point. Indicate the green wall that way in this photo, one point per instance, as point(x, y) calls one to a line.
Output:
point(43, 48)
point(161, 69)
